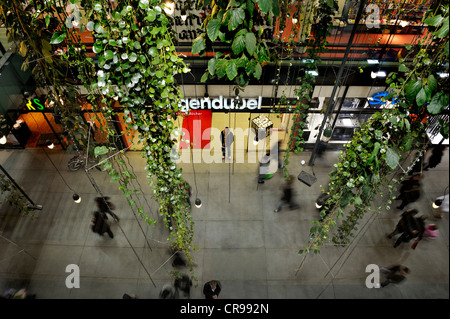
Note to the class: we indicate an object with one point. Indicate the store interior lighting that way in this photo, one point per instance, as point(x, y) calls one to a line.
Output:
point(373, 61)
point(443, 75)
point(312, 72)
point(169, 7)
point(379, 74)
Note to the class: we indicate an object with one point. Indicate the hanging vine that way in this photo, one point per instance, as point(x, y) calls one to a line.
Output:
point(136, 63)
point(365, 168)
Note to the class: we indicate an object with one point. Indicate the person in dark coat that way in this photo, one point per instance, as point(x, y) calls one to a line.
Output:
point(227, 138)
point(106, 207)
point(394, 274)
point(409, 191)
point(287, 198)
point(183, 284)
point(100, 225)
point(436, 157)
point(409, 227)
point(212, 289)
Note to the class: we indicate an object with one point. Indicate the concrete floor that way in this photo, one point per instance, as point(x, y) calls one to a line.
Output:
point(241, 241)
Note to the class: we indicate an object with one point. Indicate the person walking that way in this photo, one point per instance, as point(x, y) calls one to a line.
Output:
point(436, 157)
point(409, 227)
point(394, 274)
point(183, 284)
point(227, 138)
point(212, 289)
point(100, 225)
point(106, 207)
point(287, 198)
point(409, 191)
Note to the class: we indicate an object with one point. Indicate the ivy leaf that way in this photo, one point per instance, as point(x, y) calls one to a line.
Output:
point(258, 71)
point(198, 45)
point(250, 67)
point(107, 166)
point(211, 66)
point(402, 68)
point(58, 37)
point(100, 150)
point(237, 17)
point(221, 68)
point(434, 21)
point(438, 103)
point(422, 97)
point(204, 77)
point(443, 31)
point(47, 20)
point(238, 44)
point(432, 83)
point(232, 69)
point(264, 5)
point(392, 158)
point(212, 29)
point(115, 178)
point(412, 88)
point(250, 42)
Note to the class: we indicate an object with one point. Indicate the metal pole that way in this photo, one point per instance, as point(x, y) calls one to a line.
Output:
point(341, 70)
point(34, 206)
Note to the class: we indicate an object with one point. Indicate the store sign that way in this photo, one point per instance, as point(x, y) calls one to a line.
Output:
point(34, 104)
point(219, 103)
point(376, 99)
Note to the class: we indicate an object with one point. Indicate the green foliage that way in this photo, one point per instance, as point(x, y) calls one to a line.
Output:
point(233, 23)
point(377, 149)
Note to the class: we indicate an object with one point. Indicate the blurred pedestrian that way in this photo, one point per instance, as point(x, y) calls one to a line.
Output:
point(394, 274)
point(100, 225)
point(168, 292)
point(409, 227)
point(288, 194)
point(275, 154)
point(436, 157)
point(212, 289)
point(227, 138)
point(106, 207)
point(409, 191)
point(431, 232)
point(183, 284)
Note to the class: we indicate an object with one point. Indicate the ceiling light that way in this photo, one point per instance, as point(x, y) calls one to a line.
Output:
point(3, 140)
point(437, 202)
point(198, 203)
point(442, 75)
point(183, 15)
point(312, 72)
point(379, 74)
point(51, 146)
point(373, 61)
point(294, 20)
point(76, 198)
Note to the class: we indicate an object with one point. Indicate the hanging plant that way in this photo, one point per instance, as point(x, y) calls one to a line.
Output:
point(237, 23)
point(376, 152)
point(137, 63)
point(319, 22)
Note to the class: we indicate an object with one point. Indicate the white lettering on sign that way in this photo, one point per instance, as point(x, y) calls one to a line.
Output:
point(219, 103)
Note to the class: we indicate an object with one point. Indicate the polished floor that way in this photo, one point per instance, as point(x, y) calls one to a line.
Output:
point(241, 242)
